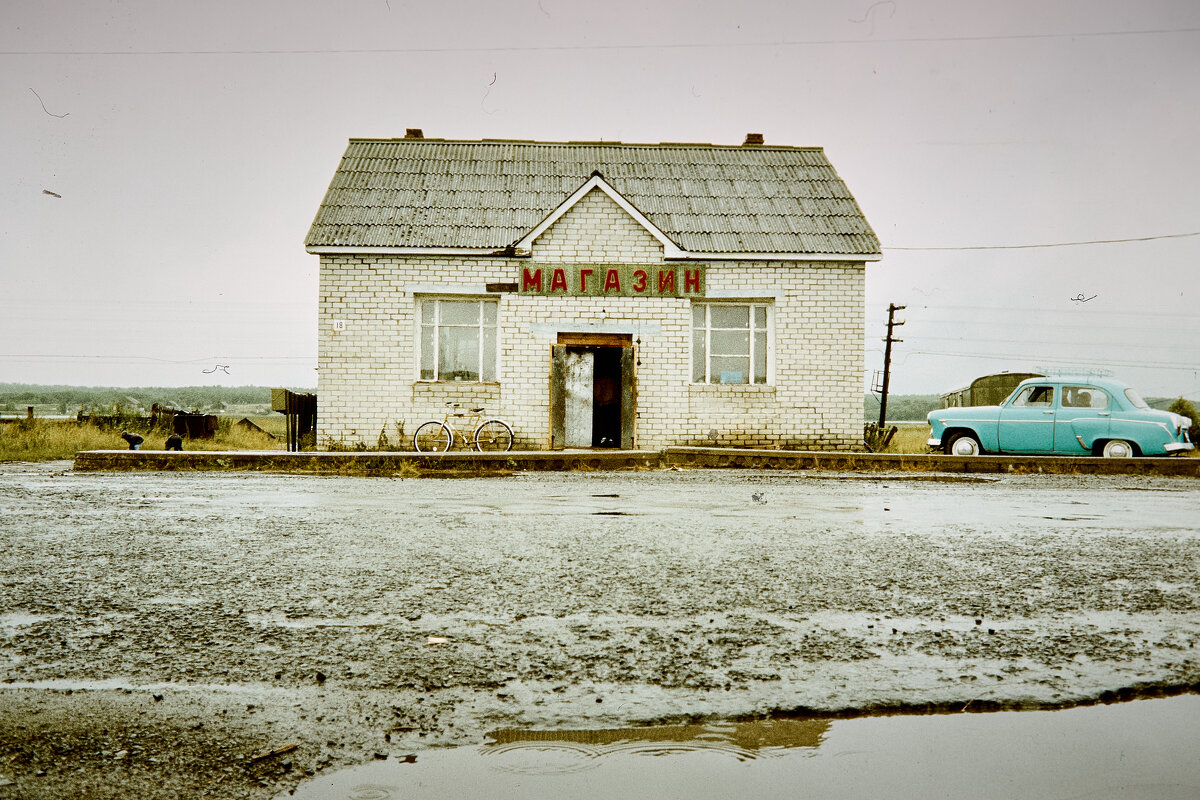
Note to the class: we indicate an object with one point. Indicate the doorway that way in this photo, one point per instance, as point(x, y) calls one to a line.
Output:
point(591, 391)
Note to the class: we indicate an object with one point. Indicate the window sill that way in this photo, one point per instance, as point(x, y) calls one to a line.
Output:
point(731, 388)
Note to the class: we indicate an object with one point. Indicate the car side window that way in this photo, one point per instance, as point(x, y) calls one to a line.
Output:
point(1084, 397)
point(1037, 396)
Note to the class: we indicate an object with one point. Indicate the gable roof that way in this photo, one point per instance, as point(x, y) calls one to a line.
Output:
point(489, 195)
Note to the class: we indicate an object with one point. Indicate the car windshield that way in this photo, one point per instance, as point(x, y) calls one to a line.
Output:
point(1136, 399)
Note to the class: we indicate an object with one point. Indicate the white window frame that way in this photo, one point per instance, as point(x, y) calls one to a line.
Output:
point(707, 330)
point(481, 325)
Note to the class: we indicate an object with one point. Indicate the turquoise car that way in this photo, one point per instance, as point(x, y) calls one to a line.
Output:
point(1062, 416)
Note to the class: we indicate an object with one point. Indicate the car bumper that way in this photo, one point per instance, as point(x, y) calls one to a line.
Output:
point(933, 442)
point(1179, 447)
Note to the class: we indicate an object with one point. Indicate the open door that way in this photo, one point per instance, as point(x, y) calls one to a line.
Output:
point(593, 399)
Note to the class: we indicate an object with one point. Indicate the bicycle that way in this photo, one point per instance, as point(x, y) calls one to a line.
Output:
point(491, 435)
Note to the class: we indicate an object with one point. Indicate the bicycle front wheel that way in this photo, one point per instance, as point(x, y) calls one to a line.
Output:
point(493, 435)
point(433, 437)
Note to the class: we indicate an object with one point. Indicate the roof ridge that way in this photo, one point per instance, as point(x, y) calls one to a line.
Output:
point(584, 143)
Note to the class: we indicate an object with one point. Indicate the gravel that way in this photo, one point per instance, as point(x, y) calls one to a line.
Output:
point(172, 635)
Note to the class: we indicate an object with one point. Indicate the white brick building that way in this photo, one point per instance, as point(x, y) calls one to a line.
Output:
point(592, 294)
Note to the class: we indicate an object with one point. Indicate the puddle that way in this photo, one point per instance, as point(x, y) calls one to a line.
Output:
point(1141, 749)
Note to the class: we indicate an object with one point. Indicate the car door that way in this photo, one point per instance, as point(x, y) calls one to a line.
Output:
point(1026, 423)
point(1082, 418)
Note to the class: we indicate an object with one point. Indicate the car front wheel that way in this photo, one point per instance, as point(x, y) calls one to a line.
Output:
point(963, 444)
point(1118, 448)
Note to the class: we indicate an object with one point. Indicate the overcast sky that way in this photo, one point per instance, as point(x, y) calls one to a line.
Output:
point(191, 143)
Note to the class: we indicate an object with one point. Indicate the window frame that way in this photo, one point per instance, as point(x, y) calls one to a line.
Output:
point(1022, 400)
point(437, 326)
point(751, 330)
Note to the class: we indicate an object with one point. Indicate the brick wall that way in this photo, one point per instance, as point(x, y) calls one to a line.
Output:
point(368, 370)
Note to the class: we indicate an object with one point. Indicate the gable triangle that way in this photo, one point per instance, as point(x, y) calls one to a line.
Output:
point(597, 183)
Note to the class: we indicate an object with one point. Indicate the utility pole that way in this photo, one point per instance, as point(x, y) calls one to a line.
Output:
point(887, 359)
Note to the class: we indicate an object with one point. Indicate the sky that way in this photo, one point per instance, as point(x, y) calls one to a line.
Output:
point(1031, 168)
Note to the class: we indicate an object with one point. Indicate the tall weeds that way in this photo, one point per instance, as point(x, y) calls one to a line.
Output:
point(50, 440)
point(909, 439)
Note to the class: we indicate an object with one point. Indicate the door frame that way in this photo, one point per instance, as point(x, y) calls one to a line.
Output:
point(558, 374)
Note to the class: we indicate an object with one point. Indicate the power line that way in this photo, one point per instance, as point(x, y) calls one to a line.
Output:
point(1052, 244)
point(1157, 315)
point(1101, 324)
point(1091, 342)
point(605, 47)
point(203, 360)
point(1058, 360)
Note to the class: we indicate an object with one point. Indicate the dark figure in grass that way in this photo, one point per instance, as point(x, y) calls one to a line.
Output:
point(135, 441)
point(175, 442)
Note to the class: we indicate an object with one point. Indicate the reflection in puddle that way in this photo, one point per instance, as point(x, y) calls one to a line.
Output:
point(547, 752)
point(1142, 749)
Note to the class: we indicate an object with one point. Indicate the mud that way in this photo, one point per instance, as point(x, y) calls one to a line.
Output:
point(163, 634)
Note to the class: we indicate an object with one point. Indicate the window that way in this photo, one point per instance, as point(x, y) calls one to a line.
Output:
point(730, 343)
point(458, 340)
point(1084, 397)
point(1135, 398)
point(1035, 396)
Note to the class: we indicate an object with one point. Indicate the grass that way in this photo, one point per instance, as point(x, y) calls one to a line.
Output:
point(51, 440)
point(909, 438)
point(234, 438)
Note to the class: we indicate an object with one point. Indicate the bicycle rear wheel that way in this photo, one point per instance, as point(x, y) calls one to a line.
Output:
point(433, 437)
point(493, 435)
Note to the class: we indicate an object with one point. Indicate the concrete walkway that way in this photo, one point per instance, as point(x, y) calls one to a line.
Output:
point(412, 464)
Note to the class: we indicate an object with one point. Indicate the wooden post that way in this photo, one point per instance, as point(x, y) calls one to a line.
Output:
point(887, 361)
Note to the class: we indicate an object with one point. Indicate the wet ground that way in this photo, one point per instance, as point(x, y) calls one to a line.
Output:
point(168, 635)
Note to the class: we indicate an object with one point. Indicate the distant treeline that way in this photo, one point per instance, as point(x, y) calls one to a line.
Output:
point(68, 399)
point(901, 407)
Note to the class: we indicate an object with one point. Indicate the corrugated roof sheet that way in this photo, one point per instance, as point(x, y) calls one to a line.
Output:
point(489, 194)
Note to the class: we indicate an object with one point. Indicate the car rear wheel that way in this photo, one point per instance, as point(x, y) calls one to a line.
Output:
point(963, 444)
point(1118, 448)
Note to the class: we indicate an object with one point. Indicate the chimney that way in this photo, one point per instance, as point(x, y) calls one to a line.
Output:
point(753, 138)
point(417, 133)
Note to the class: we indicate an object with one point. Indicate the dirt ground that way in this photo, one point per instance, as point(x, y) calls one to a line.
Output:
point(229, 635)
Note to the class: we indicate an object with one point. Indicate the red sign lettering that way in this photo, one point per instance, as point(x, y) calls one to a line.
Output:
point(559, 280)
point(612, 281)
point(533, 281)
point(639, 280)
